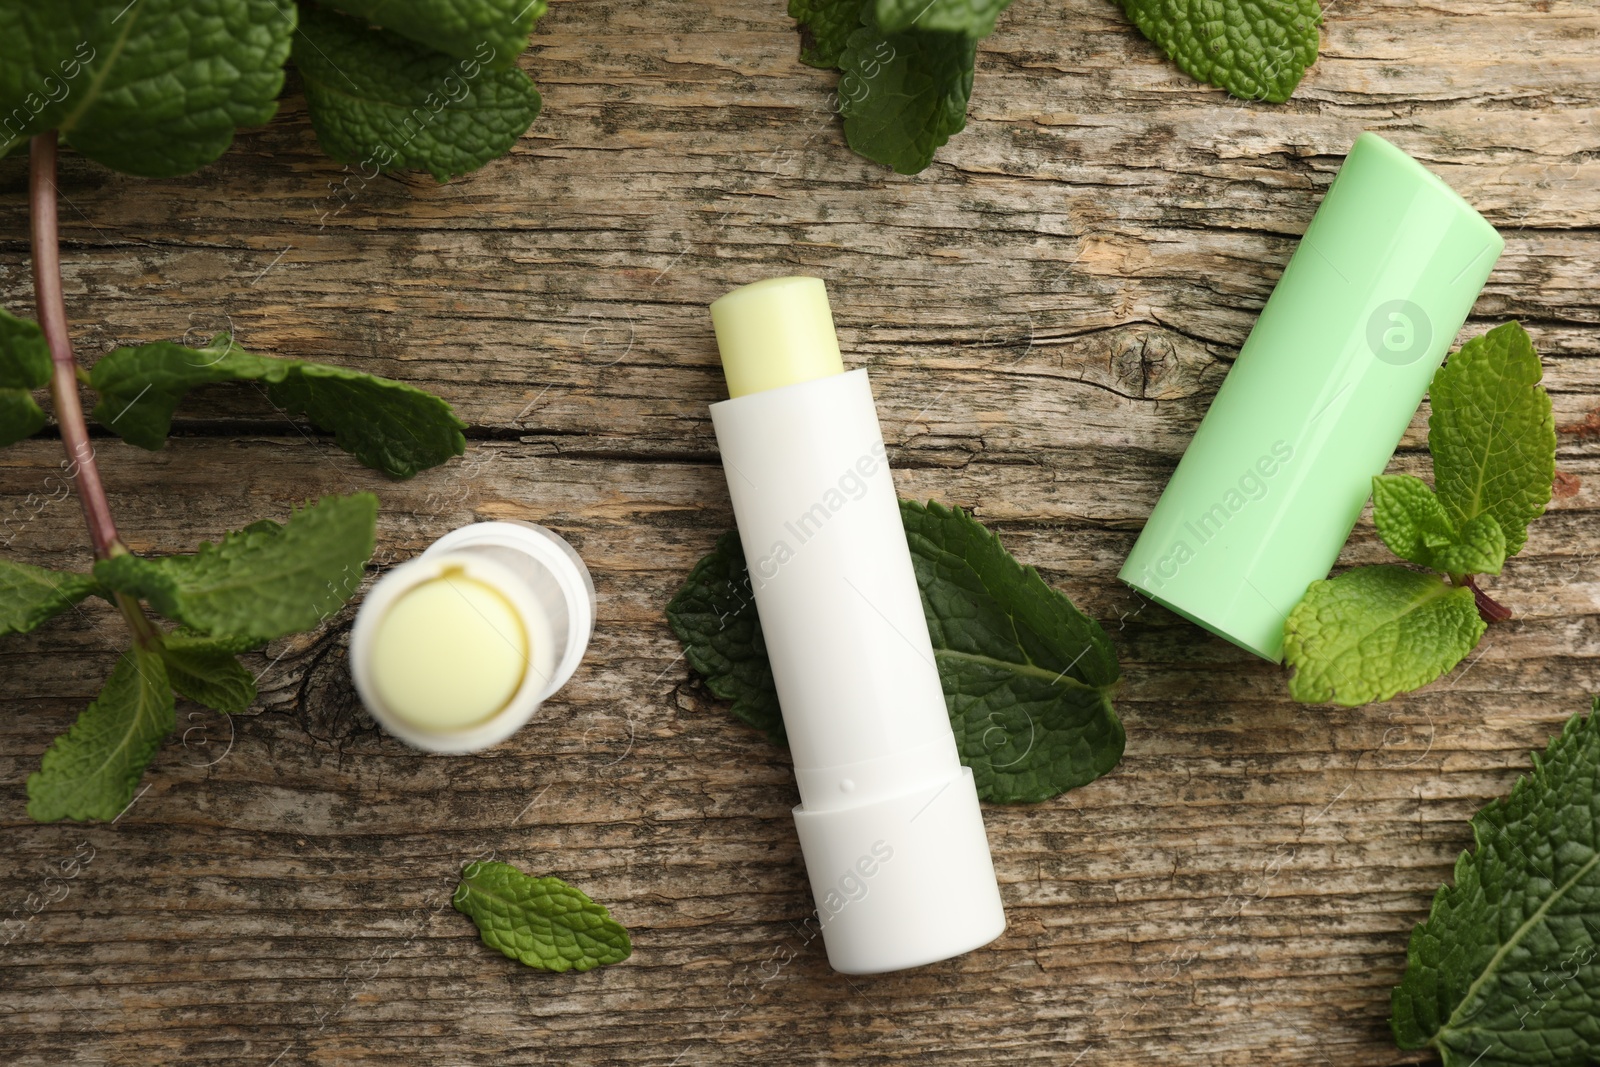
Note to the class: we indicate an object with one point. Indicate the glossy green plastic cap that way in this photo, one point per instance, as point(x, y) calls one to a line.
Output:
point(774, 333)
point(1324, 387)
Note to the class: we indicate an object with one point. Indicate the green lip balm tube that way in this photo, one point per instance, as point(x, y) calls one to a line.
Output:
point(1327, 382)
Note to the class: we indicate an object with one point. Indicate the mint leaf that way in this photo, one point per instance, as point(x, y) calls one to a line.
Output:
point(206, 670)
point(30, 595)
point(91, 770)
point(153, 88)
point(1373, 632)
point(828, 25)
point(381, 101)
point(1506, 969)
point(385, 424)
point(1027, 677)
point(1413, 523)
point(1492, 434)
point(714, 615)
point(542, 922)
point(261, 582)
point(494, 32)
point(1256, 50)
point(975, 18)
point(904, 95)
point(24, 367)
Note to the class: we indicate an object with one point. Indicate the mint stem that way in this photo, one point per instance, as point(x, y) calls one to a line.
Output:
point(1489, 609)
point(81, 466)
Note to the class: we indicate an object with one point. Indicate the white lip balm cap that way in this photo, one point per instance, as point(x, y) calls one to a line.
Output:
point(455, 650)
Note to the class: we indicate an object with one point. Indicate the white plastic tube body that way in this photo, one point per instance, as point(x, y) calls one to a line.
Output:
point(889, 819)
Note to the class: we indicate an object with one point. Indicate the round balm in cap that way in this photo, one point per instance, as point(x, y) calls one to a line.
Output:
point(455, 650)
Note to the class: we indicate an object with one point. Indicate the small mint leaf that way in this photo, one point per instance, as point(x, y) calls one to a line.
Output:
point(1027, 677)
point(263, 581)
point(1413, 523)
point(1505, 972)
point(1256, 51)
point(385, 424)
point(24, 367)
point(1373, 632)
point(1492, 434)
point(494, 32)
point(382, 102)
point(90, 772)
point(153, 88)
point(541, 922)
point(904, 95)
point(207, 671)
point(975, 18)
point(30, 595)
point(828, 25)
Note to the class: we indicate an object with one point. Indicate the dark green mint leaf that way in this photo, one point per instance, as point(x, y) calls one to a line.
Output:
point(385, 424)
point(904, 95)
point(207, 670)
point(24, 367)
point(1492, 434)
point(542, 922)
point(1373, 632)
point(1255, 49)
point(383, 102)
point(91, 770)
point(494, 32)
point(261, 582)
point(975, 18)
point(828, 25)
point(152, 87)
point(1027, 677)
point(1413, 523)
point(714, 615)
point(30, 595)
point(1506, 970)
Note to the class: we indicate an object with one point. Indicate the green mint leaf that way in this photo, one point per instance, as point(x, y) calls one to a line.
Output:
point(1413, 523)
point(494, 32)
point(261, 582)
point(1255, 50)
point(24, 367)
point(542, 922)
point(90, 772)
point(714, 615)
point(382, 102)
point(30, 595)
point(828, 25)
point(387, 425)
point(153, 88)
point(205, 669)
point(1027, 677)
point(1373, 632)
point(975, 18)
point(1505, 972)
point(1492, 434)
point(904, 95)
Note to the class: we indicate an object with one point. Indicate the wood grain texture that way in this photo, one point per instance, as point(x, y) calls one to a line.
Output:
point(1046, 312)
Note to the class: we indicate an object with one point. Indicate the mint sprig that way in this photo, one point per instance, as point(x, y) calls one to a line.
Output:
point(1027, 677)
point(1256, 51)
point(1373, 632)
point(1505, 972)
point(543, 923)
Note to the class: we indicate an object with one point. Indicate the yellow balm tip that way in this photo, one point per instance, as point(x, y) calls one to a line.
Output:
point(774, 333)
point(448, 653)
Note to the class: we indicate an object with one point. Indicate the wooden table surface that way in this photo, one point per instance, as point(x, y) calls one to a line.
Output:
point(1046, 312)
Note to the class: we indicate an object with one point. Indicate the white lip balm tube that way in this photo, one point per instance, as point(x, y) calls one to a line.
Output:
point(888, 818)
point(455, 650)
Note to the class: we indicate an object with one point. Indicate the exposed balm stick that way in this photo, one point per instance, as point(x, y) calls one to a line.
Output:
point(1314, 406)
point(888, 818)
